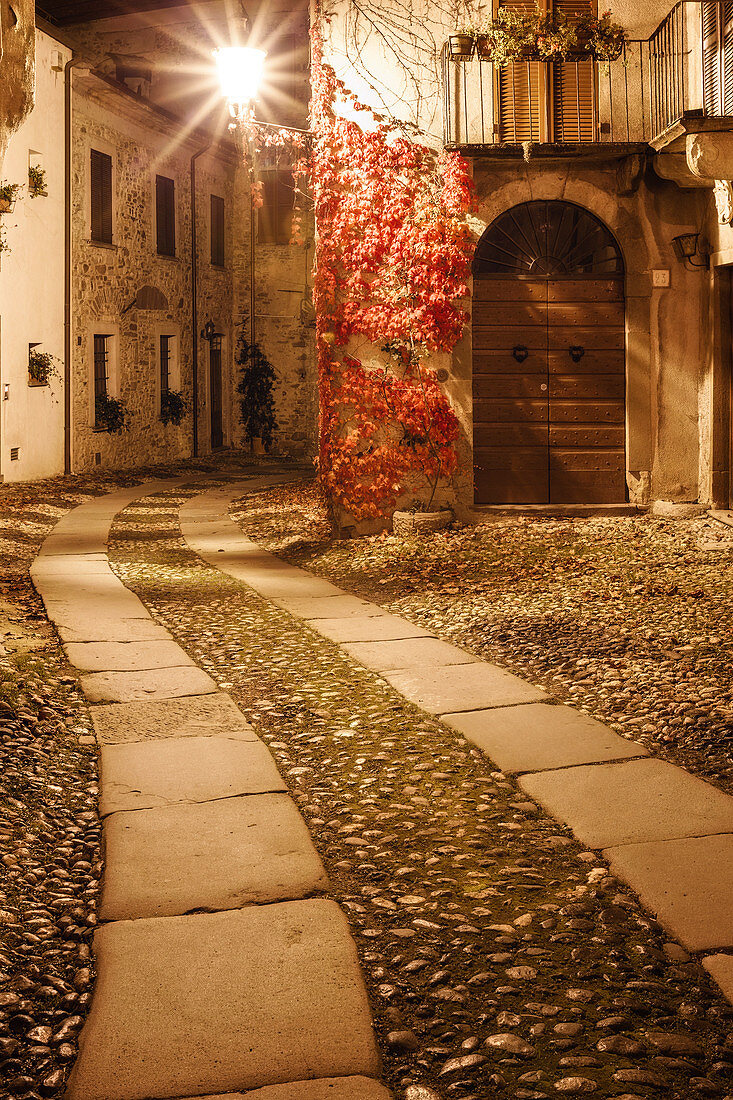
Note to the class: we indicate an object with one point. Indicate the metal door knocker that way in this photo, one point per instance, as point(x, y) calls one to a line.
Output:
point(520, 352)
point(576, 352)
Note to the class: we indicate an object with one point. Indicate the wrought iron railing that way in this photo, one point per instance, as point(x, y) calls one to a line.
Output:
point(684, 70)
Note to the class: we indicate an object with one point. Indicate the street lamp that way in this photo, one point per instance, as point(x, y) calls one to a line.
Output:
point(240, 72)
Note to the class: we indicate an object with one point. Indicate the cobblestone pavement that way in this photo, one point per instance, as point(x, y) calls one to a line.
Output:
point(501, 958)
point(626, 619)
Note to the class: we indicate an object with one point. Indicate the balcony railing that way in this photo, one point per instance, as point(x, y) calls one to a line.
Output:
point(684, 70)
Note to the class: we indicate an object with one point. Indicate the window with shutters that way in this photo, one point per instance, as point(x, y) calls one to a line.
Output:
point(717, 54)
point(216, 230)
point(165, 215)
point(101, 196)
point(553, 102)
point(276, 212)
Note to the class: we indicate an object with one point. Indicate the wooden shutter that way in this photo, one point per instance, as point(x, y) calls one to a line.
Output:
point(101, 197)
point(711, 57)
point(165, 212)
point(217, 230)
point(522, 92)
point(276, 212)
point(574, 93)
point(726, 63)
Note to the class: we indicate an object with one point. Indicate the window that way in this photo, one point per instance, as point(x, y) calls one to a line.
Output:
point(283, 97)
point(717, 57)
point(217, 230)
point(165, 215)
point(166, 354)
point(541, 101)
point(276, 212)
point(101, 197)
point(101, 372)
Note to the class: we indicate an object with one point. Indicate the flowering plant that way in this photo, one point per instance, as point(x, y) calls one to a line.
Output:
point(513, 36)
point(42, 367)
point(393, 258)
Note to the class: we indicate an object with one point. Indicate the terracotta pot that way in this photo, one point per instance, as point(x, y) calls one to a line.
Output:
point(461, 47)
point(6, 205)
point(257, 445)
point(409, 524)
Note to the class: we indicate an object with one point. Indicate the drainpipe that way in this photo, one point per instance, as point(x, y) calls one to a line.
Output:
point(194, 300)
point(67, 259)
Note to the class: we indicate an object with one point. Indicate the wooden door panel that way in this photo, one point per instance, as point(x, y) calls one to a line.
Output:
point(585, 290)
point(510, 313)
point(590, 413)
point(587, 387)
point(510, 385)
point(505, 338)
point(510, 435)
point(501, 361)
point(510, 412)
point(586, 435)
point(509, 290)
point(587, 477)
point(517, 475)
point(591, 362)
point(562, 337)
point(585, 313)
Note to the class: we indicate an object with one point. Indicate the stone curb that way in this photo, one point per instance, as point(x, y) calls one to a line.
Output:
point(608, 790)
point(259, 988)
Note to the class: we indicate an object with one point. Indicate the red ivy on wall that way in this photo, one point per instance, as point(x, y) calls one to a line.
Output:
point(393, 256)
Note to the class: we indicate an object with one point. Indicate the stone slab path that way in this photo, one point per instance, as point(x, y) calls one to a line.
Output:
point(666, 833)
point(220, 968)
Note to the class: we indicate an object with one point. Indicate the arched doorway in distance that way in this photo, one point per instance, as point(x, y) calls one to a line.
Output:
point(548, 359)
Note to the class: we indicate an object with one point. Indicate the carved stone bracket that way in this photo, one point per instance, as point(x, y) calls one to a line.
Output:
point(723, 194)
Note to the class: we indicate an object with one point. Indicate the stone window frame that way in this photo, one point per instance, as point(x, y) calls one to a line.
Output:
point(101, 146)
point(167, 328)
point(103, 326)
point(167, 172)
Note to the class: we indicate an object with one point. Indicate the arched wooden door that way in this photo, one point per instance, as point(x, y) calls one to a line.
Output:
point(548, 359)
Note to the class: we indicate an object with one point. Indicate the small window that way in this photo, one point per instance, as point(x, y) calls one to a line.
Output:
point(217, 230)
point(101, 371)
point(101, 197)
point(276, 212)
point(165, 215)
point(166, 352)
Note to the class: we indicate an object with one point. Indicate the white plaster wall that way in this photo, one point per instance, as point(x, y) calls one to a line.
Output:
point(32, 283)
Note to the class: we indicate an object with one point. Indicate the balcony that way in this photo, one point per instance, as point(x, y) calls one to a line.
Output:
point(678, 82)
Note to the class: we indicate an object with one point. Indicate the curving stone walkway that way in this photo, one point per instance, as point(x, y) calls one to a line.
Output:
point(666, 833)
point(220, 965)
point(222, 968)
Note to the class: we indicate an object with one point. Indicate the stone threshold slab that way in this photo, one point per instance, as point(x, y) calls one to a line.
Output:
point(191, 716)
point(224, 1002)
point(462, 687)
point(607, 805)
point(328, 1088)
point(156, 683)
point(209, 857)
point(539, 736)
point(686, 884)
point(126, 656)
point(146, 774)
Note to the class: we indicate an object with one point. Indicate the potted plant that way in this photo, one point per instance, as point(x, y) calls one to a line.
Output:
point(8, 195)
point(556, 39)
point(256, 401)
point(606, 39)
point(37, 181)
point(461, 45)
point(41, 367)
point(110, 414)
point(172, 407)
point(510, 36)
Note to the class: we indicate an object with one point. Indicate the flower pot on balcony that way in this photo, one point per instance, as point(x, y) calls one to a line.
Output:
point(461, 46)
point(6, 205)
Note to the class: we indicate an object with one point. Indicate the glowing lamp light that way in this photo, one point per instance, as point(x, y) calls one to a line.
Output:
point(240, 72)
